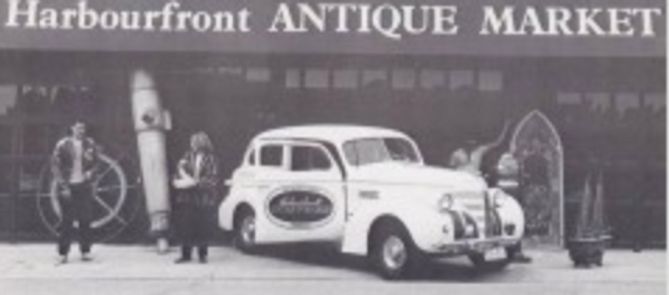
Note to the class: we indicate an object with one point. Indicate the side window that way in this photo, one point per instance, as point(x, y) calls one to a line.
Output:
point(271, 155)
point(252, 158)
point(308, 158)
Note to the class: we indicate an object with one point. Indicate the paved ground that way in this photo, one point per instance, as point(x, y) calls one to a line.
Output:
point(31, 269)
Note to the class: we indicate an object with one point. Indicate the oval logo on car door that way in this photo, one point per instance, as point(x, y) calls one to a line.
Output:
point(300, 207)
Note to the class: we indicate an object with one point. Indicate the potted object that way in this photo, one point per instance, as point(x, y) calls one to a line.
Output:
point(586, 247)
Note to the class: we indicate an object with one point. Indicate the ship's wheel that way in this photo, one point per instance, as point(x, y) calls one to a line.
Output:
point(116, 199)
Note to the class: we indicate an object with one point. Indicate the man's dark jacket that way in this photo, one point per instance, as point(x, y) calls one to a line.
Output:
point(62, 159)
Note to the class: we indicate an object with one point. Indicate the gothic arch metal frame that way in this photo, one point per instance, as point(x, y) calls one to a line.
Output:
point(560, 154)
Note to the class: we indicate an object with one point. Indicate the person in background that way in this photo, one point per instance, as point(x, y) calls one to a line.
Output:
point(508, 179)
point(196, 182)
point(470, 157)
point(74, 162)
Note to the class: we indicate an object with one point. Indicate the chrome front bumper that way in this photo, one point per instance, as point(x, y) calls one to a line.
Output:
point(470, 246)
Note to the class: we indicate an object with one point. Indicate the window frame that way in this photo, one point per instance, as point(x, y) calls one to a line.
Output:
point(419, 154)
point(259, 156)
point(323, 150)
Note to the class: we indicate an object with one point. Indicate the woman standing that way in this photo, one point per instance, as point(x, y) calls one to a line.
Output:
point(196, 183)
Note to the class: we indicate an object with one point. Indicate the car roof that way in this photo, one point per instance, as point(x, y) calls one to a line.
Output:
point(335, 133)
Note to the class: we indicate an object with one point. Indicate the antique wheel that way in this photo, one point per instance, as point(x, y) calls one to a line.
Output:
point(393, 253)
point(245, 231)
point(114, 204)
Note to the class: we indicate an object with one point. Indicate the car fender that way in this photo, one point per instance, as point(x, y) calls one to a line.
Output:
point(226, 212)
point(511, 212)
point(420, 222)
point(227, 208)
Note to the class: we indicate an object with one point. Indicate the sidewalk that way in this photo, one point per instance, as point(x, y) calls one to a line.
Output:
point(117, 262)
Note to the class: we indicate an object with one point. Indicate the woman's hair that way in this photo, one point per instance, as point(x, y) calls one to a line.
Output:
point(200, 142)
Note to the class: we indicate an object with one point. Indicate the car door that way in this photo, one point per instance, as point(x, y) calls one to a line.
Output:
point(302, 195)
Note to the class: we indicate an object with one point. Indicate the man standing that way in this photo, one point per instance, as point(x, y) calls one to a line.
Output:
point(469, 158)
point(508, 180)
point(74, 162)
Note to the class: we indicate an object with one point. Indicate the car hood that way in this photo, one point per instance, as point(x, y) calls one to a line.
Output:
point(398, 173)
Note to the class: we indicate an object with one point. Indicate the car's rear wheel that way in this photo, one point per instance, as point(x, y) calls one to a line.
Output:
point(245, 232)
point(393, 252)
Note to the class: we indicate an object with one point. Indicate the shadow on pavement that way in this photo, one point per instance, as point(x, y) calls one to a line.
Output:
point(455, 270)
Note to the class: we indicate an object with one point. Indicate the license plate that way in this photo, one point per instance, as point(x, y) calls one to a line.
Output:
point(497, 253)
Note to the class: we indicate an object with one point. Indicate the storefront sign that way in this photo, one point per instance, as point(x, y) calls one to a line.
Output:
point(478, 27)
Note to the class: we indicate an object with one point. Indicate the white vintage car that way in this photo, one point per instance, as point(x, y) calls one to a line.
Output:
point(367, 190)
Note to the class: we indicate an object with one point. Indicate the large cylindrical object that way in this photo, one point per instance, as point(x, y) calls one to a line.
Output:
point(150, 124)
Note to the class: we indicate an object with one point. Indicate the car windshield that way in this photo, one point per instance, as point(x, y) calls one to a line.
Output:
point(375, 150)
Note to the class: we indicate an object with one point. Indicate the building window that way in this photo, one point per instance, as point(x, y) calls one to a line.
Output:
point(430, 79)
point(626, 101)
point(6, 178)
point(205, 70)
point(316, 78)
point(461, 79)
point(656, 101)
point(490, 80)
point(345, 79)
point(404, 79)
point(35, 99)
point(374, 77)
point(568, 98)
point(598, 101)
point(7, 98)
point(230, 71)
point(258, 75)
point(293, 78)
point(6, 143)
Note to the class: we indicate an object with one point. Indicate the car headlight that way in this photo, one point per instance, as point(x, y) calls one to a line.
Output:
point(498, 199)
point(446, 202)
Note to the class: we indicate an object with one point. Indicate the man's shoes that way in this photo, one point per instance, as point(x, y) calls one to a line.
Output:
point(182, 260)
point(86, 257)
point(62, 259)
point(162, 246)
point(521, 258)
point(203, 259)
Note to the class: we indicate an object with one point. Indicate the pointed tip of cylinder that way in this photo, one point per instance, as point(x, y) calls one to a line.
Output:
point(142, 79)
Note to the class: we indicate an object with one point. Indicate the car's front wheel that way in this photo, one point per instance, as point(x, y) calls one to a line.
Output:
point(245, 232)
point(393, 253)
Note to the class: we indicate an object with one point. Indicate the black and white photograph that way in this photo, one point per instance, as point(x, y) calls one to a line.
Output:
point(333, 147)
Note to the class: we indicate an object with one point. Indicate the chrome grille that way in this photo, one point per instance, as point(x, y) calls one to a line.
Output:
point(474, 203)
